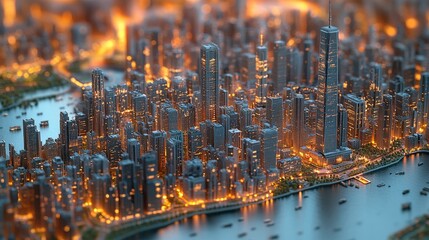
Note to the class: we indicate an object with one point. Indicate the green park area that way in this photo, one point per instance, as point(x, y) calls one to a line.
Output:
point(13, 89)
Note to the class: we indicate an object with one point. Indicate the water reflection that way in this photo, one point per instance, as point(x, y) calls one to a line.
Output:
point(369, 213)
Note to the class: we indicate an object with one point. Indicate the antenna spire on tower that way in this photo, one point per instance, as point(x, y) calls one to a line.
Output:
point(330, 13)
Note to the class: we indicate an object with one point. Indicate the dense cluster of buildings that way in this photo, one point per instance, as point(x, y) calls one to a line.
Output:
point(220, 115)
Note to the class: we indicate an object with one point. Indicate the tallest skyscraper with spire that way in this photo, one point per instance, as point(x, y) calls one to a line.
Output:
point(327, 94)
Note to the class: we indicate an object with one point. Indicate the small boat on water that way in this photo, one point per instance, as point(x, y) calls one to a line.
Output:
point(406, 206)
point(298, 208)
point(253, 228)
point(351, 184)
point(241, 219)
point(61, 108)
point(18, 117)
point(24, 113)
point(267, 220)
point(342, 201)
point(39, 114)
point(305, 196)
point(400, 173)
point(343, 184)
point(406, 191)
point(242, 235)
point(15, 128)
point(44, 123)
point(381, 185)
point(426, 189)
point(419, 164)
point(272, 237)
point(270, 224)
point(193, 234)
point(228, 225)
point(423, 193)
point(5, 114)
point(357, 186)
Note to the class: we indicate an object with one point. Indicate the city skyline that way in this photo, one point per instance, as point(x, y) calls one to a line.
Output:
point(213, 112)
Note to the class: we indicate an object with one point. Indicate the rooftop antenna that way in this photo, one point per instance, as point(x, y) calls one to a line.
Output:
point(330, 14)
point(261, 39)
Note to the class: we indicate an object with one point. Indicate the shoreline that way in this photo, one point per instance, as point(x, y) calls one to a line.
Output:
point(167, 220)
point(39, 95)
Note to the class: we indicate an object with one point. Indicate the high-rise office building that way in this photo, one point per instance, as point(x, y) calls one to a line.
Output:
point(298, 123)
point(31, 139)
point(98, 101)
point(402, 121)
point(342, 126)
point(355, 107)
point(307, 68)
point(261, 74)
point(327, 94)
point(158, 144)
point(269, 143)
point(209, 67)
point(279, 66)
point(424, 98)
point(385, 122)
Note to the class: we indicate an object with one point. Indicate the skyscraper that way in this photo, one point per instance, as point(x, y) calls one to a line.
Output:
point(298, 123)
point(279, 66)
point(307, 69)
point(261, 74)
point(356, 115)
point(209, 79)
point(327, 94)
point(98, 101)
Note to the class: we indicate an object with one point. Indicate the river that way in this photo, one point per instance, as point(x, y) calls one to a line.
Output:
point(369, 213)
point(50, 109)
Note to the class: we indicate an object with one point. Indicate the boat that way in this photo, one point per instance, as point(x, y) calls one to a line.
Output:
point(61, 108)
point(406, 191)
point(419, 164)
point(18, 117)
point(253, 228)
point(381, 185)
point(267, 220)
point(24, 113)
point(305, 196)
point(343, 184)
point(39, 114)
point(5, 114)
point(272, 237)
point(44, 123)
point(400, 173)
point(342, 200)
point(426, 189)
point(423, 193)
point(357, 186)
point(241, 219)
point(228, 225)
point(15, 128)
point(193, 234)
point(242, 235)
point(351, 184)
point(406, 206)
point(298, 208)
point(270, 224)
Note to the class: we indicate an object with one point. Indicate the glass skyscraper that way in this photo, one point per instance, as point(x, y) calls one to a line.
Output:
point(327, 94)
point(209, 76)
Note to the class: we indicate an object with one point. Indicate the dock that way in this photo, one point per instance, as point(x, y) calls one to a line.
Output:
point(362, 180)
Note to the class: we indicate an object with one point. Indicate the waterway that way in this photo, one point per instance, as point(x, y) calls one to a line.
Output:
point(370, 212)
point(50, 109)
